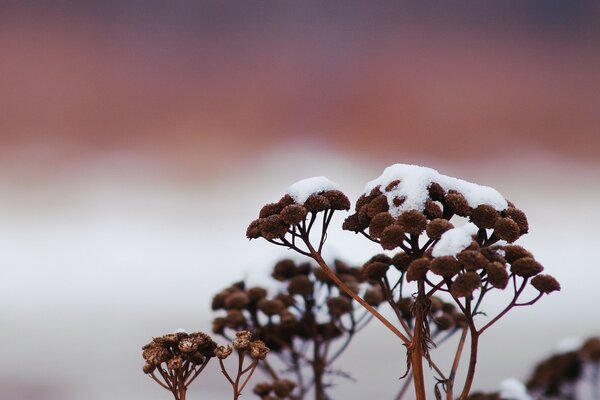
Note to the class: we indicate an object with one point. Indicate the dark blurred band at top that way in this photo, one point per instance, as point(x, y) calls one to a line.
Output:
point(173, 79)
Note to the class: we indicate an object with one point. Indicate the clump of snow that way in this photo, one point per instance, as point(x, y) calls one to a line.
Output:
point(301, 190)
point(414, 181)
point(568, 344)
point(454, 240)
point(513, 389)
point(180, 330)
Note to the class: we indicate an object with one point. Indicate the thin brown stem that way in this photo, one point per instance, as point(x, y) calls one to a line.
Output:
point(457, 356)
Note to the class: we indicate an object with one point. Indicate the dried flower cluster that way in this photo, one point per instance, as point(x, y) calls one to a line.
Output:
point(178, 358)
point(413, 211)
point(307, 324)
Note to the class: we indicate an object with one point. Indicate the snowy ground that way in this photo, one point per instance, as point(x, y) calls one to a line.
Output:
point(96, 262)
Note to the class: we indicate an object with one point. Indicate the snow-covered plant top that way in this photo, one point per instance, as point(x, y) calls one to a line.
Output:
point(455, 240)
point(301, 190)
point(414, 181)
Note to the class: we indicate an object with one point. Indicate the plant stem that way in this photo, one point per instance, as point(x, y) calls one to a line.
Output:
point(418, 344)
point(472, 363)
point(450, 380)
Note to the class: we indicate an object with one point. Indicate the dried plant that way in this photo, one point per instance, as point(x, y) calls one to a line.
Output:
point(307, 325)
point(178, 358)
point(410, 210)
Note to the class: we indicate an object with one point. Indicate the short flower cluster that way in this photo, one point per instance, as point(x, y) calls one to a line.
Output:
point(178, 351)
point(277, 390)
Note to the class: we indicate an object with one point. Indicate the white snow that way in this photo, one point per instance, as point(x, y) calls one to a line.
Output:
point(414, 181)
point(455, 240)
point(301, 190)
point(180, 330)
point(513, 389)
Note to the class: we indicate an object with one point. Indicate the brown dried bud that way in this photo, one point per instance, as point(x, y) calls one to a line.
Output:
point(520, 218)
point(286, 200)
point(262, 389)
point(497, 274)
point(417, 269)
point(286, 299)
point(339, 306)
point(300, 284)
point(436, 192)
point(148, 368)
point(175, 363)
point(235, 319)
point(379, 223)
point(457, 203)
point(187, 345)
point(352, 224)
point(287, 317)
point(391, 237)
point(272, 227)
point(507, 229)
point(237, 300)
point(412, 222)
point(401, 261)
point(437, 227)
point(472, 259)
point(222, 352)
point(253, 231)
point(283, 387)
point(218, 301)
point(242, 340)
point(373, 296)
point(392, 185)
point(317, 203)
point(269, 209)
point(258, 350)
point(378, 205)
point(432, 210)
point(337, 199)
point(545, 283)
point(374, 270)
point(256, 293)
point(526, 267)
point(485, 216)
point(444, 321)
point(293, 214)
point(445, 266)
point(465, 284)
point(270, 307)
point(284, 270)
point(218, 325)
point(513, 252)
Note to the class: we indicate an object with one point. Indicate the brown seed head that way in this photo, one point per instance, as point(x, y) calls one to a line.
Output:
point(412, 222)
point(352, 224)
point(272, 227)
point(300, 284)
point(545, 283)
point(591, 350)
point(507, 229)
point(218, 325)
point(465, 284)
point(401, 261)
point(339, 306)
point(293, 214)
point(373, 296)
point(242, 340)
point(235, 319)
point(526, 267)
point(436, 192)
point(437, 227)
point(155, 355)
point(374, 270)
point(262, 389)
point(269, 209)
point(417, 269)
point(222, 352)
point(316, 203)
point(497, 274)
point(485, 216)
point(379, 223)
point(445, 266)
point(457, 203)
point(392, 185)
point(337, 199)
point(175, 363)
point(284, 270)
point(432, 210)
point(237, 300)
point(520, 218)
point(378, 205)
point(513, 252)
point(187, 345)
point(258, 350)
point(256, 293)
point(444, 321)
point(283, 387)
point(472, 260)
point(270, 307)
point(253, 231)
point(391, 237)
point(149, 368)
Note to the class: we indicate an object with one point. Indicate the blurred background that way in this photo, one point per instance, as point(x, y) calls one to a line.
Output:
point(139, 138)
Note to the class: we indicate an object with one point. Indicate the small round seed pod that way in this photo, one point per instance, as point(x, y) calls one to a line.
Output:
point(237, 300)
point(545, 283)
point(286, 299)
point(373, 296)
point(417, 269)
point(258, 350)
point(262, 389)
point(339, 306)
point(286, 200)
point(284, 270)
point(293, 214)
point(272, 227)
point(301, 285)
point(256, 293)
point(472, 260)
point(352, 224)
point(401, 261)
point(507, 229)
point(316, 203)
point(484, 216)
point(412, 222)
point(363, 217)
point(235, 319)
point(436, 192)
point(432, 210)
point(374, 270)
point(253, 230)
point(156, 355)
point(513, 252)
point(405, 306)
point(457, 203)
point(397, 201)
point(520, 218)
point(436, 228)
point(283, 387)
point(218, 301)
point(269, 209)
point(148, 368)
point(270, 307)
point(465, 284)
point(222, 352)
point(391, 237)
point(362, 201)
point(321, 275)
point(378, 205)
point(526, 267)
point(242, 340)
point(218, 325)
point(445, 266)
point(187, 345)
point(175, 363)
point(337, 200)
point(444, 322)
point(379, 223)
point(497, 274)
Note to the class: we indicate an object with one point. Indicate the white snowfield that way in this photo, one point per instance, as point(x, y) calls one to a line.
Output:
point(301, 190)
point(414, 181)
